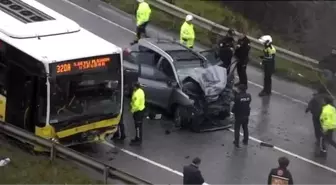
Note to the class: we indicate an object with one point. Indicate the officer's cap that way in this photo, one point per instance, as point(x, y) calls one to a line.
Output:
point(189, 18)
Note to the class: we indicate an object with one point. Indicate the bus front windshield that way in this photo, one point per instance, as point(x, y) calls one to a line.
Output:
point(78, 97)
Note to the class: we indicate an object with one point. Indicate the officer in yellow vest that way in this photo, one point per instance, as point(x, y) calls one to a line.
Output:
point(137, 109)
point(328, 123)
point(142, 18)
point(187, 34)
point(268, 62)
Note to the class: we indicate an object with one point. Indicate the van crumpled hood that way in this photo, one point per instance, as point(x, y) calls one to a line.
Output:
point(212, 79)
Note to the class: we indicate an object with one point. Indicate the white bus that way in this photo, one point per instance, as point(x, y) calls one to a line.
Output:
point(57, 79)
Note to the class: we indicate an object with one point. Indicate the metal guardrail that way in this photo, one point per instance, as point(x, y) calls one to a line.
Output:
point(57, 149)
point(221, 30)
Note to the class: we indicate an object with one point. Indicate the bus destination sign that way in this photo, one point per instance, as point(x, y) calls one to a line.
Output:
point(81, 65)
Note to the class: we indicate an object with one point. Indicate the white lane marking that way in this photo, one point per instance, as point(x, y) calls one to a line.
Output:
point(252, 138)
point(96, 15)
point(126, 29)
point(113, 12)
point(147, 160)
point(292, 154)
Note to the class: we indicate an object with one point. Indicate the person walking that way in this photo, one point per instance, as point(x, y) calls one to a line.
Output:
point(315, 108)
point(328, 124)
point(142, 19)
point(280, 175)
point(187, 33)
point(241, 110)
point(137, 109)
point(192, 174)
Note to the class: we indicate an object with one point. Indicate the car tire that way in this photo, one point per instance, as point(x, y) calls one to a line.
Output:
point(178, 119)
point(196, 123)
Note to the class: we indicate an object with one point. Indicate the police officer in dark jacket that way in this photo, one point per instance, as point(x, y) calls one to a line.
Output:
point(226, 49)
point(241, 110)
point(191, 173)
point(315, 108)
point(280, 175)
point(242, 54)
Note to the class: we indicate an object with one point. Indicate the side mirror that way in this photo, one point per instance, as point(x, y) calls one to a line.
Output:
point(171, 83)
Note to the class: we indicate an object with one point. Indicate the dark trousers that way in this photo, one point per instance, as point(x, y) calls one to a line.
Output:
point(241, 122)
point(138, 119)
point(268, 72)
point(141, 29)
point(241, 70)
point(326, 137)
point(317, 127)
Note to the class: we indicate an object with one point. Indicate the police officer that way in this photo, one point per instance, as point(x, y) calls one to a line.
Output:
point(242, 54)
point(187, 33)
point(328, 123)
point(268, 62)
point(280, 175)
point(142, 18)
point(192, 174)
point(226, 49)
point(241, 110)
point(315, 108)
point(137, 109)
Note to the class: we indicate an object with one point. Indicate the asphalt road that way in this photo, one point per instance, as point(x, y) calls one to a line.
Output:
point(279, 120)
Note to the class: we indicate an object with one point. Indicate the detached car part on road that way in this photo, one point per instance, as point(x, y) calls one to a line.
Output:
point(189, 86)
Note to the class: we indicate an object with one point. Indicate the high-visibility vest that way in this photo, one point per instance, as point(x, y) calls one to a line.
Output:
point(187, 34)
point(269, 53)
point(328, 118)
point(138, 100)
point(143, 13)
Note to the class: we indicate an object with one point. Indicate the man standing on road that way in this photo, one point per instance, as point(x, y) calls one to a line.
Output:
point(315, 108)
point(280, 175)
point(187, 33)
point(226, 49)
point(268, 62)
point(142, 18)
point(191, 173)
point(241, 110)
point(137, 109)
point(242, 54)
point(328, 123)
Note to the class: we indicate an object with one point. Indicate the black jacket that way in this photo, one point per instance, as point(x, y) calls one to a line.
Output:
point(192, 175)
point(316, 103)
point(226, 50)
point(242, 50)
point(241, 107)
point(284, 173)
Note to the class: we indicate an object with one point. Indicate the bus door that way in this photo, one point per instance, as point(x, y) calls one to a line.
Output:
point(3, 89)
point(20, 97)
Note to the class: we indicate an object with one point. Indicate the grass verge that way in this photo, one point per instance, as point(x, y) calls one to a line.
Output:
point(213, 11)
point(26, 168)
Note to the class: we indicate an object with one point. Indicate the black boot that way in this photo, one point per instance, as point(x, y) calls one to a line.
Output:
point(236, 144)
point(135, 142)
point(264, 93)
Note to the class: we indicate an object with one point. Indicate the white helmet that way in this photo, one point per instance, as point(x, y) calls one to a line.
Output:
point(189, 18)
point(140, 1)
point(265, 39)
